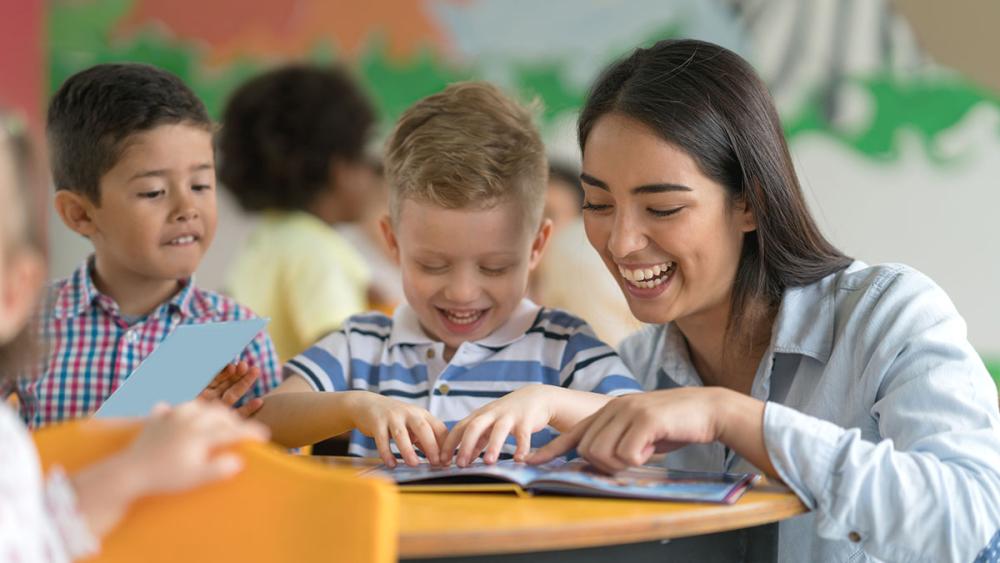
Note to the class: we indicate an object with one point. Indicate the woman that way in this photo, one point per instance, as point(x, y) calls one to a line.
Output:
point(770, 349)
point(62, 517)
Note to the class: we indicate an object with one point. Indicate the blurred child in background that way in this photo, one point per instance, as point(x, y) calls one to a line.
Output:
point(292, 147)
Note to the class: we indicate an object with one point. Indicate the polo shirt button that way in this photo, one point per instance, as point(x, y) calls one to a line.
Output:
point(430, 353)
point(443, 388)
point(854, 537)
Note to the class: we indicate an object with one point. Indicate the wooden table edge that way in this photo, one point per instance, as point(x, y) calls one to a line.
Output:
point(616, 531)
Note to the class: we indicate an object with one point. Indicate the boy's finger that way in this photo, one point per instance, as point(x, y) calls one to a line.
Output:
point(382, 445)
point(501, 429)
point(401, 436)
point(523, 438)
point(250, 407)
point(425, 437)
point(241, 386)
point(560, 445)
point(451, 442)
point(470, 439)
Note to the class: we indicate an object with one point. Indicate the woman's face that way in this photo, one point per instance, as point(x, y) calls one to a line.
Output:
point(669, 235)
point(21, 268)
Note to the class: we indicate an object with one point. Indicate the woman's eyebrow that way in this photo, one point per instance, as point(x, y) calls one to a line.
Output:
point(644, 189)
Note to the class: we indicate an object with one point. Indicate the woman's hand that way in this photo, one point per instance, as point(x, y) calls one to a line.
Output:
point(385, 419)
point(232, 383)
point(629, 429)
point(521, 413)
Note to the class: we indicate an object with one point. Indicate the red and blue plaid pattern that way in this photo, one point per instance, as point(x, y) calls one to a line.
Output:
point(91, 348)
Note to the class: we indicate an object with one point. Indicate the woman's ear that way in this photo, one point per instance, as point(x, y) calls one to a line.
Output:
point(76, 212)
point(385, 223)
point(745, 217)
point(541, 241)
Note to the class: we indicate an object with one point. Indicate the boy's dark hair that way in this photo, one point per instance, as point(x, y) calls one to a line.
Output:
point(282, 129)
point(95, 111)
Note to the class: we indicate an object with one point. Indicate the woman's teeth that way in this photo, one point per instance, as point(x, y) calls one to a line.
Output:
point(648, 278)
point(182, 240)
point(463, 317)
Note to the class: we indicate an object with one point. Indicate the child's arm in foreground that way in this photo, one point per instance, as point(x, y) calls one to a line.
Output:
point(520, 413)
point(176, 451)
point(297, 415)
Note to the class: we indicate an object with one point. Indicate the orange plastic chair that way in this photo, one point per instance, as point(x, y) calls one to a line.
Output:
point(279, 508)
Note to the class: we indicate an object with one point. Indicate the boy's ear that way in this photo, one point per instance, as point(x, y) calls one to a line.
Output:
point(390, 237)
point(541, 241)
point(76, 212)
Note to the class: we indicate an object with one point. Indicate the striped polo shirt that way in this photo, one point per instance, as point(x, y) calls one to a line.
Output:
point(396, 358)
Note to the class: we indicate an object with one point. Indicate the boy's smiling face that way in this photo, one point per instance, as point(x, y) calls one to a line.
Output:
point(464, 270)
point(157, 213)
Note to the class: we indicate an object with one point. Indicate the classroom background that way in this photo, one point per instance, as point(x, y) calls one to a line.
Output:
point(891, 109)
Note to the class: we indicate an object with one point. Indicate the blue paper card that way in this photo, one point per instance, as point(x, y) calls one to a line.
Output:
point(181, 366)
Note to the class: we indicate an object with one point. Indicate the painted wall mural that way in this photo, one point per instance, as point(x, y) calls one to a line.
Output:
point(899, 156)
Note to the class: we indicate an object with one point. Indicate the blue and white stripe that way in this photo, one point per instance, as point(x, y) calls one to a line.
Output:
point(394, 357)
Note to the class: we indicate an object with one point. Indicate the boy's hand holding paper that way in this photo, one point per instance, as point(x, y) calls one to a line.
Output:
point(232, 383)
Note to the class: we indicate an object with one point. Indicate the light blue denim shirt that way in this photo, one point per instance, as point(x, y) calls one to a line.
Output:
point(880, 416)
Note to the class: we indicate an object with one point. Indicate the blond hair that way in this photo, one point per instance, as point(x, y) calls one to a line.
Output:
point(467, 147)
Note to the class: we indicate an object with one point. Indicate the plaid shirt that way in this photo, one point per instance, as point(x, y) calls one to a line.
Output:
point(91, 348)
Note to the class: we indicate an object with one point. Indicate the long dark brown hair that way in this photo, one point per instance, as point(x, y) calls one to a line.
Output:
point(710, 103)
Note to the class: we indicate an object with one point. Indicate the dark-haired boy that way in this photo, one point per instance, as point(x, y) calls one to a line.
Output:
point(134, 170)
point(292, 147)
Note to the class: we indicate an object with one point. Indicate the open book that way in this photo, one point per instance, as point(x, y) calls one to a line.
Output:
point(576, 477)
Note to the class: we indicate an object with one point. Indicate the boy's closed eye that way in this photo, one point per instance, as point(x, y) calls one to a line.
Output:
point(151, 194)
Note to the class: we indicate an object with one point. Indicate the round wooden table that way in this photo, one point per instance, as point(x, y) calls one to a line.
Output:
point(462, 524)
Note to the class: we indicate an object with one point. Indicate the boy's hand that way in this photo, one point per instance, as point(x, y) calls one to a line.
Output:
point(232, 383)
point(385, 419)
point(521, 413)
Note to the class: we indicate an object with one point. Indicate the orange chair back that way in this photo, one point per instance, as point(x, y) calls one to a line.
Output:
point(279, 508)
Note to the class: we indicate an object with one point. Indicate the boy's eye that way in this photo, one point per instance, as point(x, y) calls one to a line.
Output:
point(432, 269)
point(201, 187)
point(494, 271)
point(588, 206)
point(663, 212)
point(151, 194)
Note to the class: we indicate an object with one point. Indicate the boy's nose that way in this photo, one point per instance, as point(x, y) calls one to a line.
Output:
point(184, 208)
point(462, 288)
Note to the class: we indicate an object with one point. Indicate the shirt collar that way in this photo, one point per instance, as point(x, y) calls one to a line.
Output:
point(79, 294)
point(805, 321)
point(804, 325)
point(406, 327)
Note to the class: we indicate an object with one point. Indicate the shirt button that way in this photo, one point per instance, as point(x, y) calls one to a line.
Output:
point(443, 389)
point(430, 353)
point(131, 336)
point(854, 537)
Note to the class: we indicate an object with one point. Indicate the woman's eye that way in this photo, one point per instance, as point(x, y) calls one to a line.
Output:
point(201, 187)
point(587, 206)
point(663, 212)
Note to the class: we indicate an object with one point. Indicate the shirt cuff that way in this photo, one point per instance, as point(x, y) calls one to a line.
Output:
point(801, 448)
point(60, 499)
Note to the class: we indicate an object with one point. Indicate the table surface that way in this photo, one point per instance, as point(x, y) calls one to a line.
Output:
point(446, 524)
